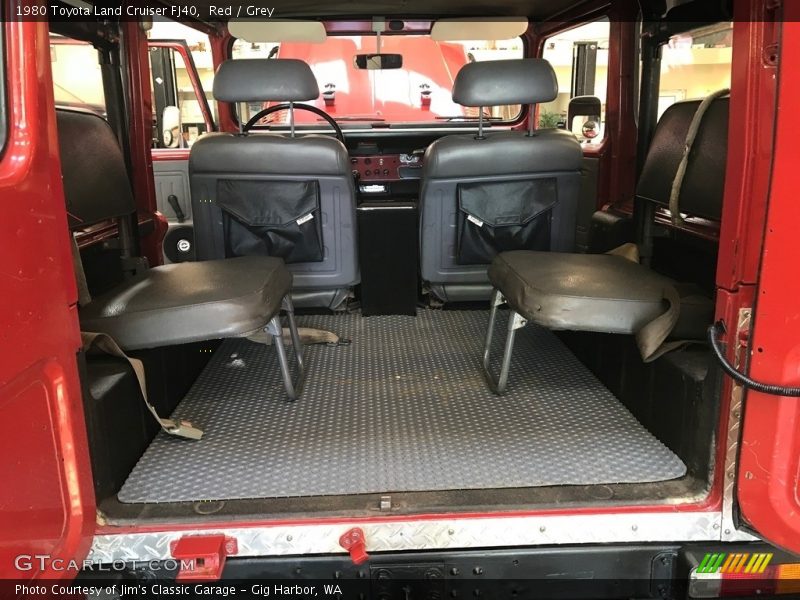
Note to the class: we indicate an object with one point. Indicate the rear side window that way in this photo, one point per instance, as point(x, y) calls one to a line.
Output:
point(696, 64)
point(580, 59)
point(77, 79)
point(420, 92)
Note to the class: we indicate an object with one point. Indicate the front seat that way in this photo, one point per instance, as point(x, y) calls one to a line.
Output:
point(269, 194)
point(508, 190)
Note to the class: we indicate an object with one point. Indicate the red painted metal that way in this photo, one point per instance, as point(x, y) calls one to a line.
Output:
point(750, 154)
point(384, 167)
point(221, 45)
point(46, 496)
point(202, 557)
point(769, 469)
point(141, 133)
point(163, 154)
point(353, 541)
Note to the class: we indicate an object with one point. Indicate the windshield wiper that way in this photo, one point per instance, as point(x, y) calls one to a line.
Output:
point(466, 118)
point(365, 119)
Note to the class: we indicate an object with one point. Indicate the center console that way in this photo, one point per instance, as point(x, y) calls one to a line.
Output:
point(387, 188)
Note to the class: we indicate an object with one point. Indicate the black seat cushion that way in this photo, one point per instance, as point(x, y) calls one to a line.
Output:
point(190, 302)
point(579, 291)
point(592, 292)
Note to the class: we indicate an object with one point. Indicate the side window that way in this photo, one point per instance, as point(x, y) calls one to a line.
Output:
point(580, 59)
point(180, 100)
point(695, 64)
point(77, 79)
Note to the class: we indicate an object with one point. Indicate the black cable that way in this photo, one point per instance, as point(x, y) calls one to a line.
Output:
point(714, 332)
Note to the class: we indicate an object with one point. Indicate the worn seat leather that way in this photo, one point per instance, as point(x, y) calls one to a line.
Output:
point(189, 302)
point(603, 293)
point(579, 291)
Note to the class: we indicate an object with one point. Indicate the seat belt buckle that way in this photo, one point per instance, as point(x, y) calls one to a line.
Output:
point(182, 429)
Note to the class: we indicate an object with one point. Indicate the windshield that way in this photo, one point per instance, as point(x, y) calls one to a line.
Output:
point(419, 92)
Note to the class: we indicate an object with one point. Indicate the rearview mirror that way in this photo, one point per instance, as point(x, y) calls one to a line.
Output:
point(373, 62)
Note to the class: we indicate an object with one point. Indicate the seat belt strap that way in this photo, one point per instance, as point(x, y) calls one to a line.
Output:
point(691, 136)
point(651, 339)
point(84, 297)
point(105, 343)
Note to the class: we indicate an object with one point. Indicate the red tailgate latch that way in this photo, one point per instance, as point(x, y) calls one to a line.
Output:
point(202, 557)
point(353, 541)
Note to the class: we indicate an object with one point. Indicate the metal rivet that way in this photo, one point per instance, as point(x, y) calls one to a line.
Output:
point(451, 531)
point(542, 529)
point(289, 538)
point(635, 527)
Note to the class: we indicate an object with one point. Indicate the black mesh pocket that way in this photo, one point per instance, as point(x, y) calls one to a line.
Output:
point(496, 216)
point(271, 218)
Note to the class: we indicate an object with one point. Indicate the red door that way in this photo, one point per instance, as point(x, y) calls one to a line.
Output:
point(46, 501)
point(769, 464)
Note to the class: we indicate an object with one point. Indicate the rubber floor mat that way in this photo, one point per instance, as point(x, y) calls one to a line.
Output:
point(404, 407)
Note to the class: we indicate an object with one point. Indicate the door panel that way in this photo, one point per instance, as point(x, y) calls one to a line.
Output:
point(172, 178)
point(769, 467)
point(46, 498)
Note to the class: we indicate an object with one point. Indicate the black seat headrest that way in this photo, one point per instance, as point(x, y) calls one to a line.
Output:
point(96, 184)
point(262, 80)
point(501, 82)
point(704, 183)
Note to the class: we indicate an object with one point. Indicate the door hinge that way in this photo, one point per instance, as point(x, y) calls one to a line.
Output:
point(202, 557)
point(742, 339)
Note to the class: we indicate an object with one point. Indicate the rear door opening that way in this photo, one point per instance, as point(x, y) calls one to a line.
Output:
point(396, 430)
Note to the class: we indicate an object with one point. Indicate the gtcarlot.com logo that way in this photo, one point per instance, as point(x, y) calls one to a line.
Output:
point(44, 562)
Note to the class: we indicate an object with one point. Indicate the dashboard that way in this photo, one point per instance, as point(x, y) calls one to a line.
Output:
point(386, 167)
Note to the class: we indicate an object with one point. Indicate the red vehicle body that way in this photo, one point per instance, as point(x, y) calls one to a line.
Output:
point(47, 505)
point(357, 93)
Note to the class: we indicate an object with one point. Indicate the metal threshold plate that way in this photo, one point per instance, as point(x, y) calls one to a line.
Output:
point(403, 408)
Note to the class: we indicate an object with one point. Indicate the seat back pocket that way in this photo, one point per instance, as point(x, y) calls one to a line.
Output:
point(497, 216)
point(271, 218)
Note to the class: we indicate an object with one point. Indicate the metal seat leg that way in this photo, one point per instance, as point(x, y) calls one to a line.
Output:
point(275, 329)
point(515, 321)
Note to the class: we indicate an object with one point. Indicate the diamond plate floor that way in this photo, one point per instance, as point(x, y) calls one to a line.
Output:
point(403, 408)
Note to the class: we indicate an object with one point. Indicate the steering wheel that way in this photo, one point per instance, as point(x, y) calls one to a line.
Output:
point(285, 106)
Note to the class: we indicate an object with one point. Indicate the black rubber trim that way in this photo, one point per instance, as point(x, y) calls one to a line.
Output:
point(716, 330)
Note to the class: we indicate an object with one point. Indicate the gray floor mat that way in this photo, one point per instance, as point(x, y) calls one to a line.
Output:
point(403, 408)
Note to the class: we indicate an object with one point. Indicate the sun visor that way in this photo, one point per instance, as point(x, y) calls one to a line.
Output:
point(277, 30)
point(499, 28)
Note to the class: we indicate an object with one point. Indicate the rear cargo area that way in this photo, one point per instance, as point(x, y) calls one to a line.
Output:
point(402, 408)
